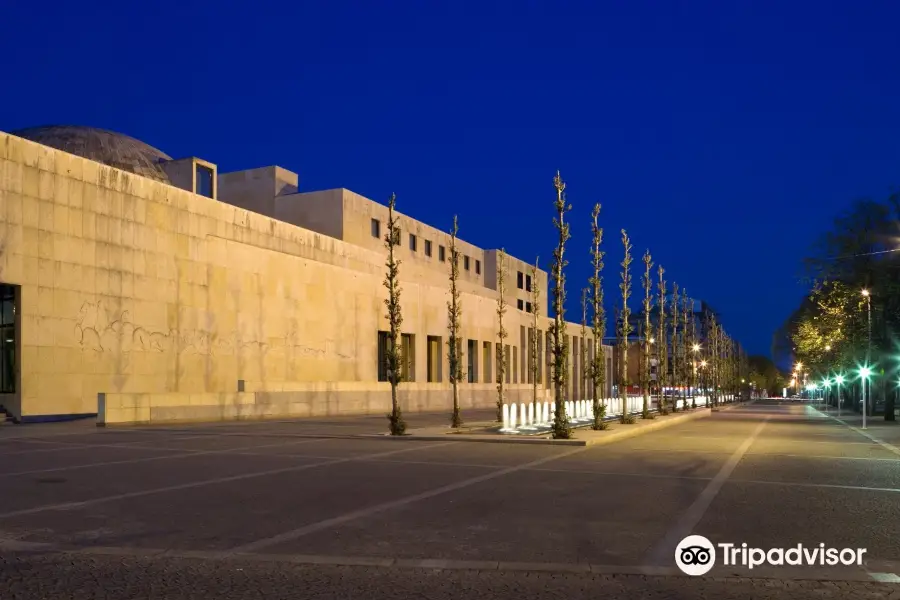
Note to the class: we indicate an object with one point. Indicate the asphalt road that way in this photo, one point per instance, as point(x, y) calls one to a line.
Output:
point(269, 509)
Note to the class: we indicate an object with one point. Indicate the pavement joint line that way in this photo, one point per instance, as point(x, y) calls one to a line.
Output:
point(196, 484)
point(663, 552)
point(371, 510)
point(185, 453)
point(439, 564)
point(816, 485)
point(63, 446)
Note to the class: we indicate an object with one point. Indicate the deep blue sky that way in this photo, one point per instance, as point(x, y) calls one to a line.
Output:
point(723, 135)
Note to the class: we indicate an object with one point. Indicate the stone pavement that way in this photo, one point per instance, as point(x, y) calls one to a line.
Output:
point(242, 510)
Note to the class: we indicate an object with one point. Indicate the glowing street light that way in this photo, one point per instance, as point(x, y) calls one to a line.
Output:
point(696, 347)
point(840, 382)
point(864, 374)
point(827, 347)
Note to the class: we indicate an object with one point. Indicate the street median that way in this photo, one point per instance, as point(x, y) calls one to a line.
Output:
point(585, 436)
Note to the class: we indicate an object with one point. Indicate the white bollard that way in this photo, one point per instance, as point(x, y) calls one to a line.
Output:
point(512, 416)
point(506, 416)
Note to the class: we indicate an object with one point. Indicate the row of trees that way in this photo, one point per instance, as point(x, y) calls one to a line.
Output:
point(850, 319)
point(670, 325)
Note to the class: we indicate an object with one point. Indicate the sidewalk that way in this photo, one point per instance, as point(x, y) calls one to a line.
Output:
point(886, 433)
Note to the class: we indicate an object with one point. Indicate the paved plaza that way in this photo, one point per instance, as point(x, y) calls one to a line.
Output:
point(299, 509)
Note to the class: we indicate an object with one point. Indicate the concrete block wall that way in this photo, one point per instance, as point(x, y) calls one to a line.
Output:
point(132, 286)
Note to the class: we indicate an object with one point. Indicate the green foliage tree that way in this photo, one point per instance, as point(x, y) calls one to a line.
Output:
point(856, 253)
point(598, 324)
point(648, 333)
point(501, 331)
point(394, 316)
point(663, 343)
point(561, 428)
point(454, 312)
point(625, 326)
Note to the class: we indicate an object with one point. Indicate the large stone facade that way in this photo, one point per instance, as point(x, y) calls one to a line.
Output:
point(126, 285)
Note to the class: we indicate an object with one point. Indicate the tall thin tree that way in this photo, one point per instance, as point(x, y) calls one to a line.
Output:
point(648, 334)
point(598, 324)
point(535, 332)
point(663, 368)
point(454, 312)
point(689, 341)
point(582, 348)
point(625, 327)
point(394, 316)
point(501, 331)
point(676, 366)
point(561, 429)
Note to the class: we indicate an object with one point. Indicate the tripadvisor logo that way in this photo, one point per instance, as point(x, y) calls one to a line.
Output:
point(696, 555)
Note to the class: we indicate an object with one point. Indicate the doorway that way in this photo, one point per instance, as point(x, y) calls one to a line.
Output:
point(9, 372)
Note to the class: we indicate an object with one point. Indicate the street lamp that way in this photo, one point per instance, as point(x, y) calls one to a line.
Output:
point(840, 382)
point(864, 374)
point(868, 297)
point(696, 349)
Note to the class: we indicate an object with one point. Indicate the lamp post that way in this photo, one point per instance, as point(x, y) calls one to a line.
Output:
point(864, 375)
point(696, 349)
point(704, 380)
point(840, 382)
point(866, 391)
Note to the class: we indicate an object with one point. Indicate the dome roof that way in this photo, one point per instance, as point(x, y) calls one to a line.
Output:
point(107, 147)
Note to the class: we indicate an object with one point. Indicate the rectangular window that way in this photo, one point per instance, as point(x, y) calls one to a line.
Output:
point(486, 361)
point(434, 359)
point(477, 267)
point(523, 345)
point(408, 357)
point(427, 247)
point(412, 242)
point(528, 283)
point(442, 253)
point(466, 262)
point(384, 345)
point(204, 181)
point(472, 361)
point(519, 280)
point(515, 364)
point(540, 358)
point(7, 339)
point(376, 228)
point(506, 362)
point(521, 304)
point(528, 307)
point(529, 363)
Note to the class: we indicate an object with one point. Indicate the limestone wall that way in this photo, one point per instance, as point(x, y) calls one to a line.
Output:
point(131, 286)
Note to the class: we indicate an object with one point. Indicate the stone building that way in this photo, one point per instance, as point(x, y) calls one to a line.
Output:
point(157, 289)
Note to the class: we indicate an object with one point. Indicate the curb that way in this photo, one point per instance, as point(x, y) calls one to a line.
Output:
point(619, 433)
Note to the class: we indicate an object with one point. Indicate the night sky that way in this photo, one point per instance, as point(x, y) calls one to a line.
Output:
point(724, 136)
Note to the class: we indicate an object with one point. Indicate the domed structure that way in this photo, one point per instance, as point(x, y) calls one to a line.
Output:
point(107, 147)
